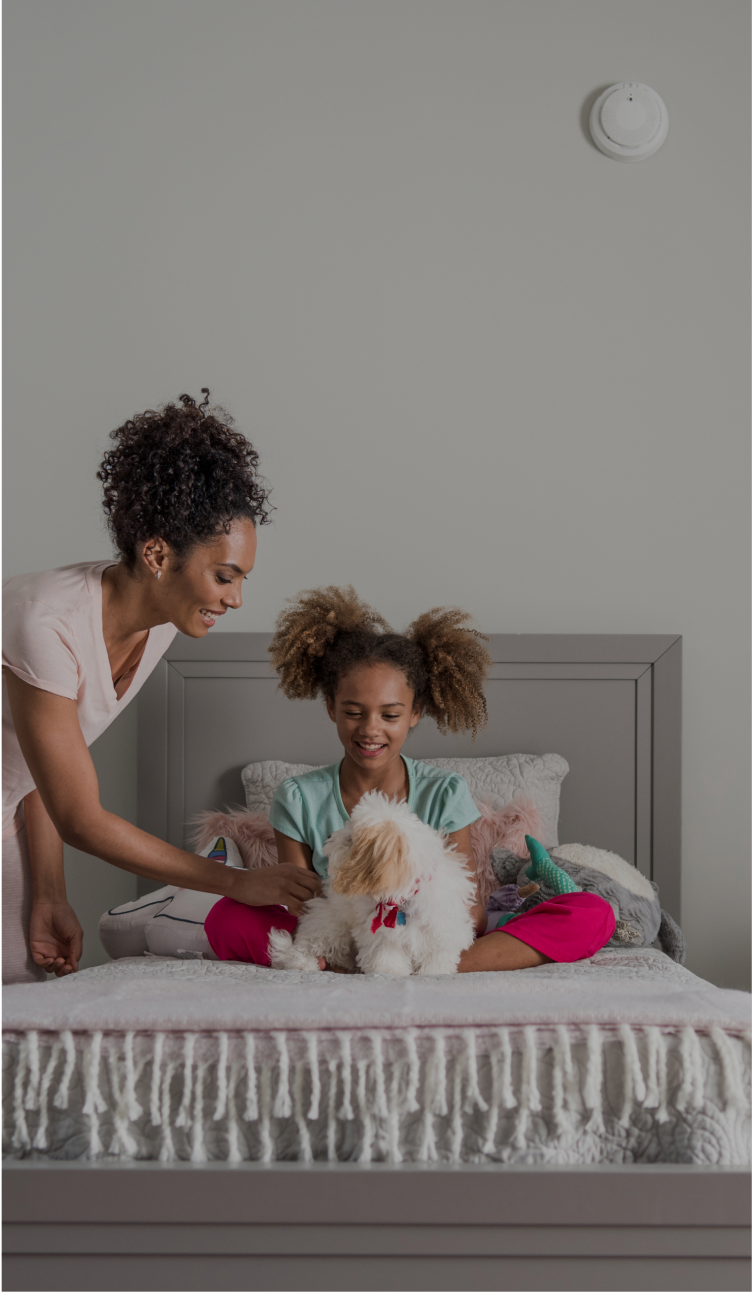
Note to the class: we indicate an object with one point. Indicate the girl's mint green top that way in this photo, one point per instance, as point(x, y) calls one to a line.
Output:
point(309, 808)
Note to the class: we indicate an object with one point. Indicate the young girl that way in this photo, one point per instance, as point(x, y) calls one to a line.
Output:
point(376, 685)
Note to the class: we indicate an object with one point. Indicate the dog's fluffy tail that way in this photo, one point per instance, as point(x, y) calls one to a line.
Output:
point(280, 946)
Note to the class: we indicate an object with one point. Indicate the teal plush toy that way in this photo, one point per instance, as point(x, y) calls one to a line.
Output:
point(542, 870)
point(545, 871)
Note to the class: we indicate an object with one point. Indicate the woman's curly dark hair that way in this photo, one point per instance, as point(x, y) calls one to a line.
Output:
point(180, 473)
point(327, 632)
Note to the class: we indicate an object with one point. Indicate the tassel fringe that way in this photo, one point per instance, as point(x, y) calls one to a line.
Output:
point(657, 1088)
point(382, 1095)
point(594, 1078)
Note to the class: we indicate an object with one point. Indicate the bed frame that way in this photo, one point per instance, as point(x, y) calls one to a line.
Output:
point(611, 705)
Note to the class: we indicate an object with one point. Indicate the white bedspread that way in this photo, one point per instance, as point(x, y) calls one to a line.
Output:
point(639, 987)
point(625, 1057)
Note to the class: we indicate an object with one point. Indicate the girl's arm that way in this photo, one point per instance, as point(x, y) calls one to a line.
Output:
point(56, 937)
point(461, 841)
point(54, 748)
point(290, 851)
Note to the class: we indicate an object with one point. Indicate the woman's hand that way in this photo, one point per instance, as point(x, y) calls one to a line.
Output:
point(284, 885)
point(56, 937)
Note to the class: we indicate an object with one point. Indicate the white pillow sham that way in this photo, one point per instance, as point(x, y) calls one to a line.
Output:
point(169, 922)
point(122, 930)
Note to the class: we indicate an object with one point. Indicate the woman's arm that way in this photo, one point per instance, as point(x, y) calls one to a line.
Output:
point(462, 842)
point(55, 751)
point(55, 935)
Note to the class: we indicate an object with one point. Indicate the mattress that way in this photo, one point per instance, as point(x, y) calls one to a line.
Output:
point(626, 1057)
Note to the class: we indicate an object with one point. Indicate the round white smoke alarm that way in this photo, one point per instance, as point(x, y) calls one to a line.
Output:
point(629, 122)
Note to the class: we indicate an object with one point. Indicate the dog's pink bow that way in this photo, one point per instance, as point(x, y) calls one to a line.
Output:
point(393, 914)
point(387, 913)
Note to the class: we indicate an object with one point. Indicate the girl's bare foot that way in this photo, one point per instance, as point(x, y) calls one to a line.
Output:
point(499, 951)
point(333, 968)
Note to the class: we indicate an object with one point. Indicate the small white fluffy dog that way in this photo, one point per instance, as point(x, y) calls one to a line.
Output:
point(398, 899)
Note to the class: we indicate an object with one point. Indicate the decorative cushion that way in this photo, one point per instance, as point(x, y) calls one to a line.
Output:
point(251, 831)
point(168, 922)
point(178, 930)
point(122, 930)
point(498, 782)
point(504, 829)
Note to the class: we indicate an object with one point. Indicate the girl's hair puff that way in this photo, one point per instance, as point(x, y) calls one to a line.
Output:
point(327, 632)
point(310, 629)
point(456, 663)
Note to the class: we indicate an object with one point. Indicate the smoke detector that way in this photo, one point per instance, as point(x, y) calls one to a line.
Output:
point(629, 121)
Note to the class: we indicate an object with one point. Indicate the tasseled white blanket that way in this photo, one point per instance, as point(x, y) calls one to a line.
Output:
point(624, 1058)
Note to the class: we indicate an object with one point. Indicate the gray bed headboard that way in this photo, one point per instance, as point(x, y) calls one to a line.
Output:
point(611, 705)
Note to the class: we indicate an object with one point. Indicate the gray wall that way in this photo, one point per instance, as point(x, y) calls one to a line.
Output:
point(484, 364)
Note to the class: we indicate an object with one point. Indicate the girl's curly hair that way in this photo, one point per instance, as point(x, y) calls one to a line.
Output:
point(180, 473)
point(327, 632)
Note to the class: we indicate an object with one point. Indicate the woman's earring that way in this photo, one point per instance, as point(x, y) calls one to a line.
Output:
point(158, 574)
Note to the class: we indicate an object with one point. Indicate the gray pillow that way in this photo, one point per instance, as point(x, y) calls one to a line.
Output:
point(633, 898)
point(496, 781)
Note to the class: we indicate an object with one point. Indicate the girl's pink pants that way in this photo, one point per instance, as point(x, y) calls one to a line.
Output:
point(239, 932)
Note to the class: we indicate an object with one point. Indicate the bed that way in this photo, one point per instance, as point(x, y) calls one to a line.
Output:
point(622, 1068)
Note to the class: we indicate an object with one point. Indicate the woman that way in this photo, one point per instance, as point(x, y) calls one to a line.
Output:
point(182, 497)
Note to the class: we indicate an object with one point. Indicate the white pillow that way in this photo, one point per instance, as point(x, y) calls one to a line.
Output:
point(497, 781)
point(179, 928)
point(169, 921)
point(261, 780)
point(122, 930)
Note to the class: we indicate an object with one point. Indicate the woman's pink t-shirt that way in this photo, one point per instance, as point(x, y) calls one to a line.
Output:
point(53, 639)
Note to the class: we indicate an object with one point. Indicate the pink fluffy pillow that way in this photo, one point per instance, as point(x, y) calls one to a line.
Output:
point(251, 831)
point(504, 828)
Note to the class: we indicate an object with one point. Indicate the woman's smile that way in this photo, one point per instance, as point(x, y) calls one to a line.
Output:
point(210, 616)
